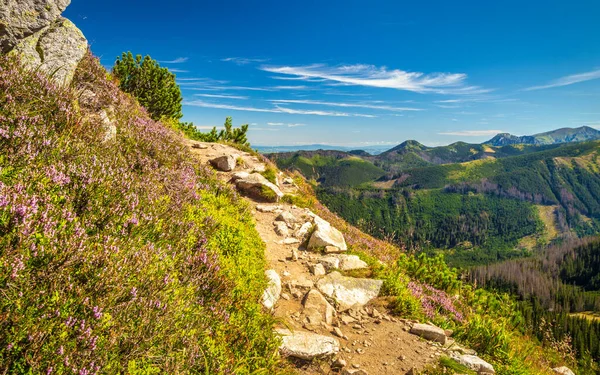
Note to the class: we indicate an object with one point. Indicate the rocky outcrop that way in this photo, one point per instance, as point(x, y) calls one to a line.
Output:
point(307, 345)
point(349, 292)
point(429, 332)
point(474, 363)
point(258, 187)
point(273, 292)
point(22, 18)
point(34, 30)
point(224, 163)
point(326, 235)
point(563, 370)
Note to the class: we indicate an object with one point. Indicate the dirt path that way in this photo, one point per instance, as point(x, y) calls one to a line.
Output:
point(372, 340)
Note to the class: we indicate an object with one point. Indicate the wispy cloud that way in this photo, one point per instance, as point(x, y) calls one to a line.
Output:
point(178, 60)
point(243, 60)
point(173, 70)
point(284, 124)
point(222, 88)
point(341, 104)
point(473, 133)
point(568, 80)
point(276, 109)
point(372, 76)
point(222, 96)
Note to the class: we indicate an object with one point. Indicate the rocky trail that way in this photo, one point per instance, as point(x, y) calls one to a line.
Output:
point(329, 323)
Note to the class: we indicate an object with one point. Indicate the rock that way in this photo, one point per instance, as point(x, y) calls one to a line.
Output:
point(339, 363)
point(55, 50)
point(288, 218)
point(331, 249)
point(349, 292)
point(199, 146)
point(338, 332)
point(306, 345)
point(317, 269)
point(288, 181)
point(315, 300)
point(350, 262)
point(281, 229)
point(303, 231)
point(301, 283)
point(22, 18)
point(429, 332)
point(290, 241)
point(326, 235)
point(273, 291)
point(330, 262)
point(354, 372)
point(225, 163)
point(266, 208)
point(474, 363)
point(236, 176)
point(294, 254)
point(563, 370)
point(108, 123)
point(258, 187)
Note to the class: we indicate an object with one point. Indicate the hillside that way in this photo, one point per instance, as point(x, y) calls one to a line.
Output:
point(128, 248)
point(563, 135)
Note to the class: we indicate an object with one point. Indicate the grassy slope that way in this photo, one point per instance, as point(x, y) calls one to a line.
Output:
point(488, 322)
point(118, 256)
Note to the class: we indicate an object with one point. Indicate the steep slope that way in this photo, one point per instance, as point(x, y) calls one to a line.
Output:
point(119, 255)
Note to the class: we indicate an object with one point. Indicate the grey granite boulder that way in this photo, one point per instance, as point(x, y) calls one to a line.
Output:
point(429, 332)
point(273, 292)
point(257, 187)
point(326, 235)
point(22, 18)
point(55, 50)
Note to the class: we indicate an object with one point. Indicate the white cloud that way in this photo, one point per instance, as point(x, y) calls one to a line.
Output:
point(473, 133)
point(276, 109)
point(299, 87)
point(283, 124)
point(568, 80)
point(222, 96)
point(338, 104)
point(178, 60)
point(173, 70)
point(243, 60)
point(372, 76)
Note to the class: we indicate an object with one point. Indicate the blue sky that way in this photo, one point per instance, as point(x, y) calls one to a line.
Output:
point(358, 73)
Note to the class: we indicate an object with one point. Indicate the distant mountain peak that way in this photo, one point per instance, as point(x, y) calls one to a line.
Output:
point(562, 135)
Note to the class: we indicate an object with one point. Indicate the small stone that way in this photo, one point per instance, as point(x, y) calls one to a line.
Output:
point(355, 365)
point(294, 254)
point(266, 208)
point(290, 241)
point(339, 363)
point(225, 163)
point(338, 332)
point(281, 228)
point(332, 249)
point(286, 274)
point(354, 372)
point(317, 269)
point(285, 296)
point(288, 218)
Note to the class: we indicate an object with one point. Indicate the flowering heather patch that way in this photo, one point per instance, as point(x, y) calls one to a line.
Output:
point(119, 256)
point(435, 301)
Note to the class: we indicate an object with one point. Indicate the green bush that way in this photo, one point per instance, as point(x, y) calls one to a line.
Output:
point(154, 87)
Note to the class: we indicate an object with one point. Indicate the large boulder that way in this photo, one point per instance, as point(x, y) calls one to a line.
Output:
point(22, 18)
point(273, 292)
point(258, 187)
point(306, 345)
point(429, 332)
point(225, 163)
point(474, 363)
point(326, 235)
point(563, 370)
point(55, 50)
point(349, 292)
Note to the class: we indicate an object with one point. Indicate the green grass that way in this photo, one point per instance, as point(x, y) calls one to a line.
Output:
point(119, 256)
